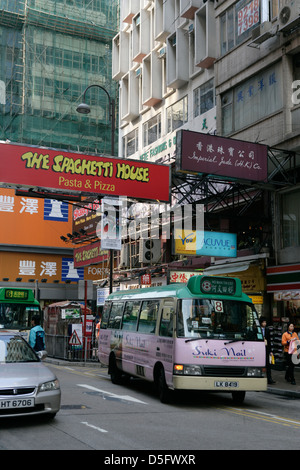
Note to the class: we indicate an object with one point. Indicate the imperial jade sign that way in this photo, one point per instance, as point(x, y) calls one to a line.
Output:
point(74, 172)
point(219, 156)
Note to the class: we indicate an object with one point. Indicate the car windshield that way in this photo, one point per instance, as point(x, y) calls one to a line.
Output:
point(13, 348)
point(218, 319)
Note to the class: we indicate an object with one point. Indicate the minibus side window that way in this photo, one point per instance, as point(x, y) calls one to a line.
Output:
point(148, 316)
point(130, 315)
point(166, 324)
point(115, 315)
point(105, 315)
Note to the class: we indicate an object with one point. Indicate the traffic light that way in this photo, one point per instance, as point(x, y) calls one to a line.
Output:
point(149, 250)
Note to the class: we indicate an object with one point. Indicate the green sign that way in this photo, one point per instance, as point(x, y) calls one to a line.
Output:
point(217, 285)
point(70, 313)
point(16, 294)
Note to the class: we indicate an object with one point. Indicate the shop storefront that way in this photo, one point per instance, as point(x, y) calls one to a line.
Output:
point(251, 272)
point(283, 287)
point(283, 283)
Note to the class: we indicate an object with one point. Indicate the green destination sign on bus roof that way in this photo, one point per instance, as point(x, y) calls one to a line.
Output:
point(16, 294)
point(218, 285)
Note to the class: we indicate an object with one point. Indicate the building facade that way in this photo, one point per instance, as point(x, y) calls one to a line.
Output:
point(50, 52)
point(229, 68)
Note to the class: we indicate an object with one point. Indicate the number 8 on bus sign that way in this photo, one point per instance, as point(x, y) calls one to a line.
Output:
point(218, 304)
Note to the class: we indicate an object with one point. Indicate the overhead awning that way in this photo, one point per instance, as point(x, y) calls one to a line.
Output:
point(283, 278)
point(250, 271)
point(227, 268)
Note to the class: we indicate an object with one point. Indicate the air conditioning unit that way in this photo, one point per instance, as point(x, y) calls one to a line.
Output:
point(263, 32)
point(162, 53)
point(289, 16)
point(149, 250)
point(191, 28)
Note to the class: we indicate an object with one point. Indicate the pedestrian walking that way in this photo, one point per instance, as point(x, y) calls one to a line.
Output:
point(37, 335)
point(288, 341)
point(268, 344)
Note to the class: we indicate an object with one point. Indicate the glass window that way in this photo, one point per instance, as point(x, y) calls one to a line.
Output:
point(148, 316)
point(204, 99)
point(15, 349)
point(274, 8)
point(237, 22)
point(290, 220)
point(115, 315)
point(130, 143)
point(167, 320)
point(253, 99)
point(152, 130)
point(226, 319)
point(105, 315)
point(177, 114)
point(17, 316)
point(296, 67)
point(130, 315)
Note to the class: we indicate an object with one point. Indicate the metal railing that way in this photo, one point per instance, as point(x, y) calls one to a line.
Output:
point(58, 346)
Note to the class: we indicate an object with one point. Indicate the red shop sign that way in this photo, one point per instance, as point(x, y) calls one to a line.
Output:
point(145, 280)
point(56, 169)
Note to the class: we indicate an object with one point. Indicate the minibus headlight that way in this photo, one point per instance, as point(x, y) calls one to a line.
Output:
point(255, 372)
point(187, 369)
point(192, 370)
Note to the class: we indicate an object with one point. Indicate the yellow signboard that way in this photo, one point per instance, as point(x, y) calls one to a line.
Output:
point(185, 242)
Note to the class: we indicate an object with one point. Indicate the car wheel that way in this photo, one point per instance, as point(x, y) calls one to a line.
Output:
point(49, 416)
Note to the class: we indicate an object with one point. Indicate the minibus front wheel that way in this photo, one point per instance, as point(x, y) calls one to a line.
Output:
point(238, 397)
point(115, 373)
point(161, 385)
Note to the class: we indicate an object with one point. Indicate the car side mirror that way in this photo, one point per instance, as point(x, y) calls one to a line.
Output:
point(42, 355)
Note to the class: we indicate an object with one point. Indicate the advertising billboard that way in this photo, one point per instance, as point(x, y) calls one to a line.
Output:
point(33, 221)
point(86, 174)
point(196, 242)
point(221, 157)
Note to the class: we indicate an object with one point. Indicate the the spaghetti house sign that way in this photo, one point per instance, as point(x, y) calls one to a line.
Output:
point(220, 156)
point(56, 169)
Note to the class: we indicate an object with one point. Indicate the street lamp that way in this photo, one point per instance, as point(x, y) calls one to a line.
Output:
point(84, 108)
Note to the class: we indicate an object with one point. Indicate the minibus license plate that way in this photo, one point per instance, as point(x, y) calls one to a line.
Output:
point(226, 384)
point(16, 403)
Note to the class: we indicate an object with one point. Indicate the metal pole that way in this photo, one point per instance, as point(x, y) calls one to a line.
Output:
point(84, 323)
point(113, 126)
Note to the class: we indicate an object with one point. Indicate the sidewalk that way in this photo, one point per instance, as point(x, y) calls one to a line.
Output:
point(282, 387)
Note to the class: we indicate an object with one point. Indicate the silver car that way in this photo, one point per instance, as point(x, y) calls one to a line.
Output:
point(27, 386)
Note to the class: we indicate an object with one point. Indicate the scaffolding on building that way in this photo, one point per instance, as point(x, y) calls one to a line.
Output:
point(50, 52)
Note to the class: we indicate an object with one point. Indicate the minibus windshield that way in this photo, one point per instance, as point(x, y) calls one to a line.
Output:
point(218, 319)
point(17, 315)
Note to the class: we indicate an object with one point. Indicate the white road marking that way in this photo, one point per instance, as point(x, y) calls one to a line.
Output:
point(113, 395)
point(94, 427)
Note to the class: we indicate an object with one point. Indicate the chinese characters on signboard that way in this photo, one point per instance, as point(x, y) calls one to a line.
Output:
point(181, 276)
point(53, 210)
point(29, 268)
point(220, 156)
